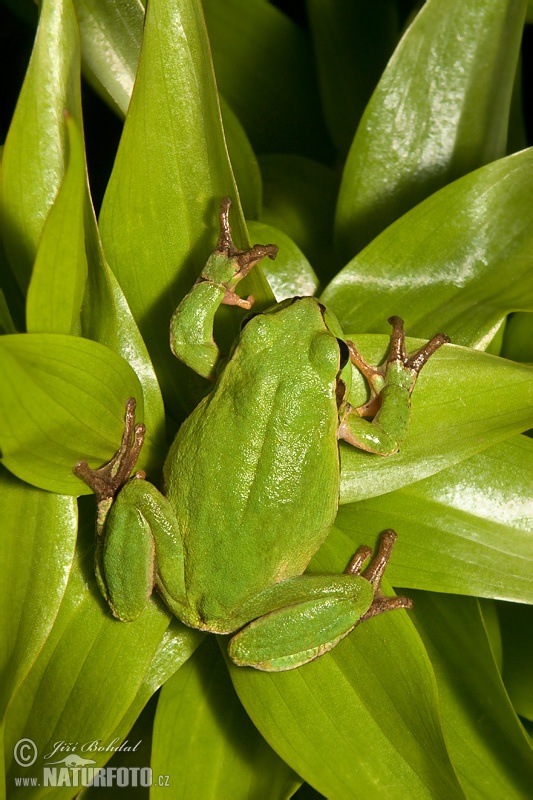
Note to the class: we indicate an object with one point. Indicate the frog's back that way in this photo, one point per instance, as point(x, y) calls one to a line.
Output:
point(253, 474)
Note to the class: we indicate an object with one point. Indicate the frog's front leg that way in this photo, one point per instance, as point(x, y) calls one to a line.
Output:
point(138, 543)
point(391, 389)
point(191, 327)
point(304, 617)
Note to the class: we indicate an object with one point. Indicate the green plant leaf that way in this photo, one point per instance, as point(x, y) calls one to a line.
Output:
point(273, 91)
point(111, 33)
point(368, 708)
point(205, 741)
point(13, 296)
point(352, 42)
point(495, 345)
point(467, 530)
point(451, 418)
point(62, 400)
point(290, 274)
point(6, 323)
point(94, 673)
point(243, 162)
point(106, 318)
point(489, 613)
point(159, 217)
point(440, 110)
point(37, 547)
point(487, 743)
point(111, 36)
point(139, 739)
point(518, 338)
point(516, 622)
point(36, 145)
point(298, 198)
point(58, 280)
point(458, 262)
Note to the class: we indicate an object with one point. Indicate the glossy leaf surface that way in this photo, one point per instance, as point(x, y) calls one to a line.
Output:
point(204, 739)
point(159, 218)
point(93, 673)
point(111, 33)
point(489, 746)
point(369, 708)
point(458, 262)
point(62, 401)
point(58, 280)
point(106, 318)
point(450, 418)
point(466, 530)
point(36, 146)
point(290, 274)
point(37, 547)
point(440, 110)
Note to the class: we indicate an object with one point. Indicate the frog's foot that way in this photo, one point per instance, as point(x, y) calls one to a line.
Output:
point(416, 360)
point(245, 260)
point(377, 376)
point(374, 573)
point(107, 481)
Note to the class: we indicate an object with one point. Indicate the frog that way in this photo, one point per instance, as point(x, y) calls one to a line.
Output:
point(251, 481)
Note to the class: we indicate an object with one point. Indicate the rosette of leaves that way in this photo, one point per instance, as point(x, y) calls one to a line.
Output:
point(382, 147)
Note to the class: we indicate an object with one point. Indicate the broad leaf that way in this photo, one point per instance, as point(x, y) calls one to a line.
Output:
point(290, 274)
point(111, 36)
point(272, 90)
point(62, 400)
point(37, 547)
point(58, 280)
point(458, 262)
point(93, 676)
point(487, 743)
point(35, 152)
point(451, 419)
point(205, 741)
point(159, 217)
point(111, 33)
point(467, 530)
point(367, 709)
point(106, 318)
point(440, 110)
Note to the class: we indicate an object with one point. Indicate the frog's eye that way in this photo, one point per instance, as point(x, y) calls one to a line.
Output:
point(345, 353)
point(247, 318)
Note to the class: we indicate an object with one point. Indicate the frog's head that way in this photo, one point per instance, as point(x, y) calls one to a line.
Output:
point(301, 330)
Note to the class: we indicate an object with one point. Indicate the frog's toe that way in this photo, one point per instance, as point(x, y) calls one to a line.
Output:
point(106, 481)
point(416, 360)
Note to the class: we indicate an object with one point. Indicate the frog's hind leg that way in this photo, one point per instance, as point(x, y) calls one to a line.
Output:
point(297, 620)
point(107, 481)
point(138, 541)
point(374, 573)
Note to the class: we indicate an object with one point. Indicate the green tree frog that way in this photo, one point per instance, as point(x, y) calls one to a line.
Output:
point(251, 481)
